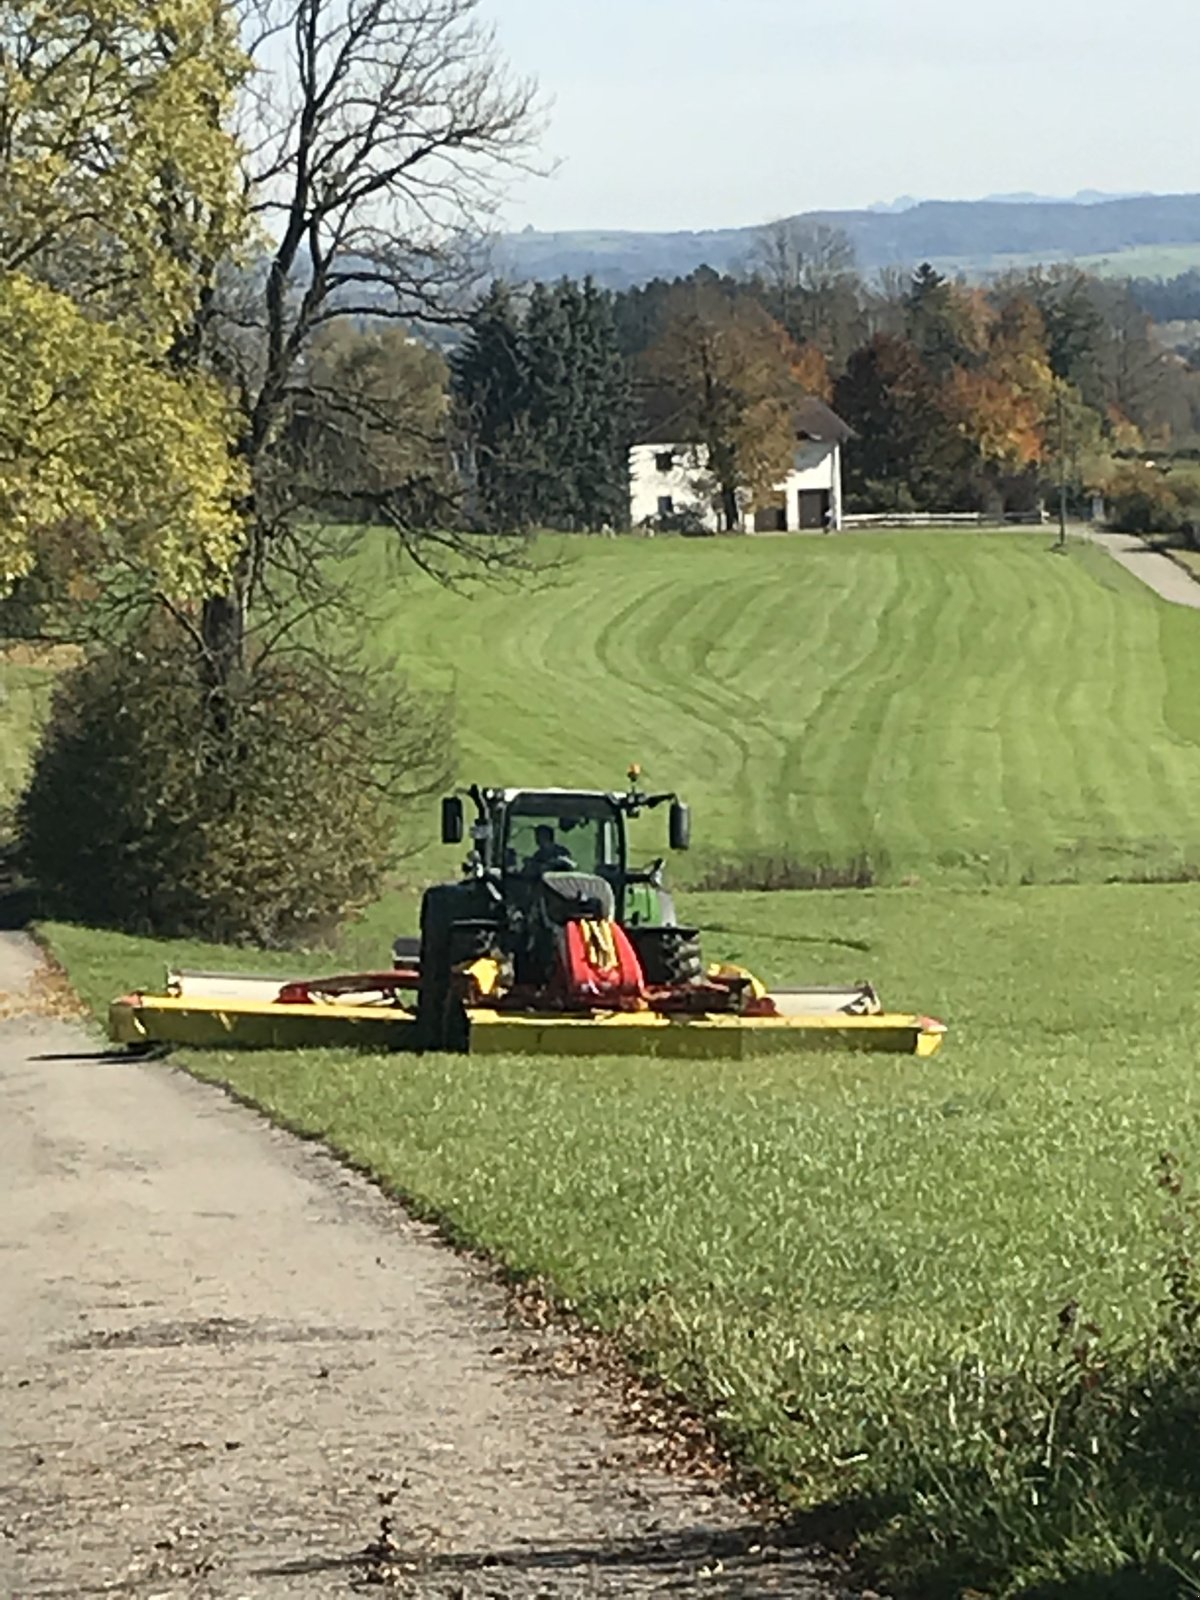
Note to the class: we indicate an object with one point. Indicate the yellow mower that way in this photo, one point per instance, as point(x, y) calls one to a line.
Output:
point(551, 943)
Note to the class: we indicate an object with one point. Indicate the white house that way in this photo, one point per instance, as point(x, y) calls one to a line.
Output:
point(670, 484)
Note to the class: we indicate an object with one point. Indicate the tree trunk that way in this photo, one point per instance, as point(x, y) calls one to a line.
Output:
point(223, 630)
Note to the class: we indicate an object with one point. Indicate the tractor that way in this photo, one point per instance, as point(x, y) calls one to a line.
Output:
point(541, 860)
point(551, 943)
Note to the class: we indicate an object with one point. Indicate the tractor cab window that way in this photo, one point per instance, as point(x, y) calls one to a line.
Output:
point(542, 840)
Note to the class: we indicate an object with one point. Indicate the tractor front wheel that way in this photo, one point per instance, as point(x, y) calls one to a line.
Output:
point(670, 956)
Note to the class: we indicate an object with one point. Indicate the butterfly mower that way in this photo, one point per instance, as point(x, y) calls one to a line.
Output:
point(550, 943)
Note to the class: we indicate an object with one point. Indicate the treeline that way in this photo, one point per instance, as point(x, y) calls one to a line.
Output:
point(1169, 299)
point(960, 397)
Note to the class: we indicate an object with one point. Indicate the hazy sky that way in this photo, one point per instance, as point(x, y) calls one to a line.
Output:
point(715, 113)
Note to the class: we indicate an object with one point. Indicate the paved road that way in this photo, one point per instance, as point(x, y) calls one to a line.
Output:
point(224, 1359)
point(1162, 574)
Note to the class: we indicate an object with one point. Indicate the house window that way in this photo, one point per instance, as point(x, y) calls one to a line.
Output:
point(666, 506)
point(664, 461)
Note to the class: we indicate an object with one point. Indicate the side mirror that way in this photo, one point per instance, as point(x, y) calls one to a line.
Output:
point(680, 830)
point(453, 825)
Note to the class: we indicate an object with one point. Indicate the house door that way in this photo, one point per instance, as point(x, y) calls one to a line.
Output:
point(813, 507)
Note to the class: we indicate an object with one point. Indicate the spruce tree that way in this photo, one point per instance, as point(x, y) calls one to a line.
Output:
point(554, 397)
point(490, 386)
point(602, 441)
point(546, 402)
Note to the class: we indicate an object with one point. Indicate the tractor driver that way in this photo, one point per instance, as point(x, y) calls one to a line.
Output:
point(551, 854)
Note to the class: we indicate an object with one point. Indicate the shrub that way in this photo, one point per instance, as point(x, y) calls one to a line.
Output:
point(1142, 500)
point(265, 817)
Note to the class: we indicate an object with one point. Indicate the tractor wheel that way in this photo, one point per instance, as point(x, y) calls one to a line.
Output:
point(437, 918)
point(670, 956)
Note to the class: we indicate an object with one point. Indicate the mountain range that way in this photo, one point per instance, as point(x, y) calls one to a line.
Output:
point(976, 237)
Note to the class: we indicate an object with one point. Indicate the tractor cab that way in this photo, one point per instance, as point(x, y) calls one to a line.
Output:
point(519, 836)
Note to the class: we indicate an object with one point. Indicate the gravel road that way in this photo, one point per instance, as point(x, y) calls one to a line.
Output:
point(230, 1368)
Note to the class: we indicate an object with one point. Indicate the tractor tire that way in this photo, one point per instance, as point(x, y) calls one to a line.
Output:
point(442, 908)
point(437, 917)
point(670, 956)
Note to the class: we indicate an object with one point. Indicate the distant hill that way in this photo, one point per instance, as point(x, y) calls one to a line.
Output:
point(972, 236)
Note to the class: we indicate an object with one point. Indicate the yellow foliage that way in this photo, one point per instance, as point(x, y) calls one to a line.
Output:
point(1002, 418)
point(119, 196)
point(810, 369)
point(132, 459)
point(119, 175)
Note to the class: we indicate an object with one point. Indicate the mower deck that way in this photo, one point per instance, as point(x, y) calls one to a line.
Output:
point(645, 1033)
point(213, 1011)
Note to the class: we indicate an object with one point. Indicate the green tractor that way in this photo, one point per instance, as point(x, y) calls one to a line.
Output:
point(540, 858)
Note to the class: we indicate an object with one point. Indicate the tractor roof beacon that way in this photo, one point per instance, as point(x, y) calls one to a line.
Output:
point(538, 856)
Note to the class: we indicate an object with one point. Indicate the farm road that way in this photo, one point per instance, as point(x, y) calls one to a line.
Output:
point(223, 1359)
point(1159, 572)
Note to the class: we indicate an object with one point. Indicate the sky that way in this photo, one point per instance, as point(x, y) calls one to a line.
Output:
point(690, 114)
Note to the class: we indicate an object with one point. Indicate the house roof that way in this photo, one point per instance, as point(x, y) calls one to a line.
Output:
point(815, 420)
point(812, 418)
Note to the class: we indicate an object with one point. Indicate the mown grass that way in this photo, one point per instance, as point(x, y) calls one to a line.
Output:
point(857, 1265)
point(950, 708)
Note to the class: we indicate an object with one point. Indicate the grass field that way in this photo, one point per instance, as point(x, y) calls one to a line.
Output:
point(1138, 261)
point(957, 707)
point(857, 1265)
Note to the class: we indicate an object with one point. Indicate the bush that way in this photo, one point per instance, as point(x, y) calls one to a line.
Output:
point(1142, 500)
point(265, 816)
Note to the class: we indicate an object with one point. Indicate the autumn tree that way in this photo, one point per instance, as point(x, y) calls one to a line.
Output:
point(999, 396)
point(810, 370)
point(721, 376)
point(370, 136)
point(119, 200)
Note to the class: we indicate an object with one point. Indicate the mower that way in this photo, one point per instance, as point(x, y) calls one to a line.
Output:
point(550, 942)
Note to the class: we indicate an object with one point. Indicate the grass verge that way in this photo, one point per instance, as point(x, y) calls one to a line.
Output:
point(953, 1298)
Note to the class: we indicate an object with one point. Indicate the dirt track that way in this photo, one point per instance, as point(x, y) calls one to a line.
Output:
point(224, 1359)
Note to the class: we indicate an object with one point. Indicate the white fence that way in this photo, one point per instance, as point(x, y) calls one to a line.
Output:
point(942, 519)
